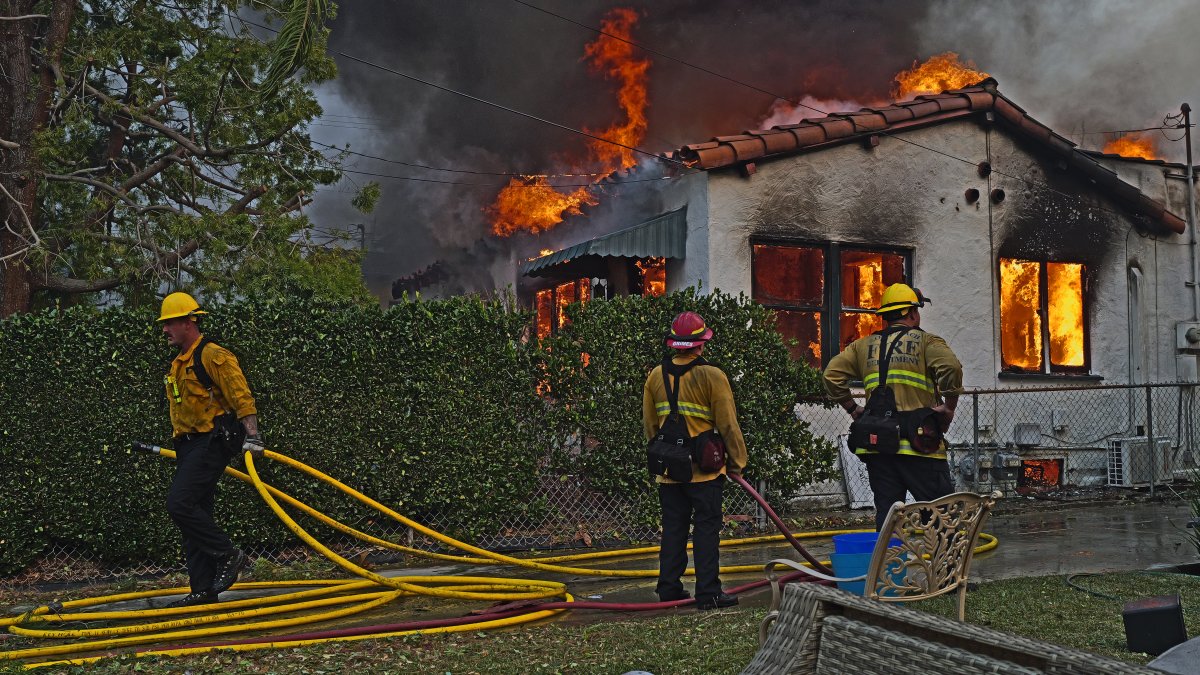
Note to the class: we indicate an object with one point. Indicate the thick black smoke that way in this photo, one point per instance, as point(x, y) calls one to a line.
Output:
point(1106, 65)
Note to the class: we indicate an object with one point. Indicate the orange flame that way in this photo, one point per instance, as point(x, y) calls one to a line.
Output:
point(520, 207)
point(534, 206)
point(939, 73)
point(654, 276)
point(1020, 314)
point(1043, 473)
point(1065, 297)
point(614, 58)
point(1135, 145)
point(870, 294)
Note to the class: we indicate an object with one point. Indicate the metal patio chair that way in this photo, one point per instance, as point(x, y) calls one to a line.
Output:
point(937, 543)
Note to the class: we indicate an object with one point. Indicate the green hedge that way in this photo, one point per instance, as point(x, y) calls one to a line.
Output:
point(430, 407)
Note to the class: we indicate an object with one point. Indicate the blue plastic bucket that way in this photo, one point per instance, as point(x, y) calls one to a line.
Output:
point(852, 557)
point(858, 542)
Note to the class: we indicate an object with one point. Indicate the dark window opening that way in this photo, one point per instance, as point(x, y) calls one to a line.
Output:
point(824, 295)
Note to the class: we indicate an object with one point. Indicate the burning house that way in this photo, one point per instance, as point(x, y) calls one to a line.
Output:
point(1048, 265)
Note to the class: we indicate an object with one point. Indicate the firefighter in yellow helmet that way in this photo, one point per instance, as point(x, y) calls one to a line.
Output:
point(213, 417)
point(926, 378)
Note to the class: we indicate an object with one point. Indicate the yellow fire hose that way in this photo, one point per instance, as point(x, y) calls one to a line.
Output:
point(353, 596)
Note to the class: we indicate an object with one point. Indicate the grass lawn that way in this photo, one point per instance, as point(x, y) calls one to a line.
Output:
point(688, 642)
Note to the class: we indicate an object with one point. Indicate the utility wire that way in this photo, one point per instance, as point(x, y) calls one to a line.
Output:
point(795, 102)
point(518, 185)
point(801, 104)
point(480, 173)
point(484, 101)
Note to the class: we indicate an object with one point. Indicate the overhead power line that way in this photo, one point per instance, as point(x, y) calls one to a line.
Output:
point(504, 185)
point(801, 104)
point(468, 171)
point(486, 102)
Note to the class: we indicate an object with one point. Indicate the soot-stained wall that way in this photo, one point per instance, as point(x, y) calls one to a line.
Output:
point(909, 192)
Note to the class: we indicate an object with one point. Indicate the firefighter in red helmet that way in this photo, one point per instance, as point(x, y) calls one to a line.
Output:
point(704, 401)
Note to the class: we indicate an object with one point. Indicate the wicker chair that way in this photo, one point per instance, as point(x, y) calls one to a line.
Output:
point(825, 630)
point(937, 543)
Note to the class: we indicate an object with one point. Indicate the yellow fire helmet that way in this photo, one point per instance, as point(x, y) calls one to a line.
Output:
point(900, 296)
point(176, 305)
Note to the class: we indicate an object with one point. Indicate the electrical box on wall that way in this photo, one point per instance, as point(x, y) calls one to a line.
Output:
point(1187, 336)
point(1185, 368)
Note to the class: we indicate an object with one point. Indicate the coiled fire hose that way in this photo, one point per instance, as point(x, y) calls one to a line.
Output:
point(520, 600)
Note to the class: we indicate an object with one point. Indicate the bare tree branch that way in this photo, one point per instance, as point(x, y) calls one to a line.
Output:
point(23, 17)
point(114, 191)
point(9, 145)
point(240, 205)
point(29, 244)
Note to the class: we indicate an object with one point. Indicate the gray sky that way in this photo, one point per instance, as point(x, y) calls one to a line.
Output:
point(1072, 64)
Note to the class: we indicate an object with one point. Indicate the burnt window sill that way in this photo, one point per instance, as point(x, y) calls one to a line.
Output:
point(1051, 377)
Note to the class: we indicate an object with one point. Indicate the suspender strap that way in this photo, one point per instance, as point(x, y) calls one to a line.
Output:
point(202, 373)
point(198, 364)
point(885, 359)
point(678, 371)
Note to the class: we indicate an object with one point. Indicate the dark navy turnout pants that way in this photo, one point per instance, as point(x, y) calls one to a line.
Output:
point(685, 504)
point(199, 464)
point(891, 476)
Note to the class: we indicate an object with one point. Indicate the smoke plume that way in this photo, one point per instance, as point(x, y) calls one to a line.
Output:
point(1077, 65)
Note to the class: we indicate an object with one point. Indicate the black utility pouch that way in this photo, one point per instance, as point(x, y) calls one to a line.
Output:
point(922, 429)
point(708, 451)
point(670, 460)
point(228, 434)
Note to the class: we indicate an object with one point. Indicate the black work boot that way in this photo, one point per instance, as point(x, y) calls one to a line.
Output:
point(672, 597)
point(192, 599)
point(227, 572)
point(722, 600)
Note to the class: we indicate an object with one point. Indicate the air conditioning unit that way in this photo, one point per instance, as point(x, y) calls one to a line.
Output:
point(1132, 462)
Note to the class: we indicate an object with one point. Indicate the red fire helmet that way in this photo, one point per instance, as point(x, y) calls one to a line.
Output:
point(688, 330)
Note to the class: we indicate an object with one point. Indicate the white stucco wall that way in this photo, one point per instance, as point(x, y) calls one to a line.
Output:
point(902, 194)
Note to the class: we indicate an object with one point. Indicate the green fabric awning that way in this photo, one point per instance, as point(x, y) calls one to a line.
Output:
point(664, 236)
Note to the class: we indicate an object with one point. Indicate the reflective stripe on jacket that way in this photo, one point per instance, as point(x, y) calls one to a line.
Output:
point(923, 369)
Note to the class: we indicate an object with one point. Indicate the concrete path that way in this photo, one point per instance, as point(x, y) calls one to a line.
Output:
point(1108, 538)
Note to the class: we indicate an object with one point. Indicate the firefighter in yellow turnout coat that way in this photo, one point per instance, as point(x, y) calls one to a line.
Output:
point(705, 403)
point(923, 372)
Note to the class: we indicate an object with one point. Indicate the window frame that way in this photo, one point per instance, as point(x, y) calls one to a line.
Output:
point(1043, 310)
point(579, 284)
point(831, 308)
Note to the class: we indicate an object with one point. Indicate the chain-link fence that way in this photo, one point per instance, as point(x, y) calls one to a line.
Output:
point(1046, 441)
point(1053, 442)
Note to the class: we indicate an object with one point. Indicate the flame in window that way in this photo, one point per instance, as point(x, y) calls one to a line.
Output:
point(1065, 295)
point(654, 276)
point(1026, 327)
point(544, 307)
point(1041, 473)
point(869, 291)
point(1020, 318)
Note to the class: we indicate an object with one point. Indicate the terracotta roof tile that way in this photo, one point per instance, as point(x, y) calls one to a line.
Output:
point(867, 120)
point(809, 134)
point(895, 114)
point(724, 151)
point(835, 127)
point(748, 147)
point(775, 140)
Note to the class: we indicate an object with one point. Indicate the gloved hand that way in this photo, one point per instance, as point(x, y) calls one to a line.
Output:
point(255, 446)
